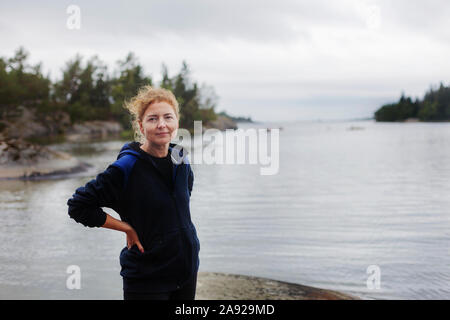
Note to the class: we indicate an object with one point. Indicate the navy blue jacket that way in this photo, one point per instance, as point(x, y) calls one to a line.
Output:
point(135, 188)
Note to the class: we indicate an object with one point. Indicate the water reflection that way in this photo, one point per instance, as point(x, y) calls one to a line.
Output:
point(342, 200)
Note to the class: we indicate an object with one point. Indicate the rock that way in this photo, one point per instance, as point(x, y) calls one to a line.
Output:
point(23, 160)
point(25, 123)
point(93, 129)
point(353, 128)
point(24, 126)
point(222, 286)
point(222, 123)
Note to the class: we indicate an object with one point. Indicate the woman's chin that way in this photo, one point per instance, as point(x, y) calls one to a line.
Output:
point(163, 140)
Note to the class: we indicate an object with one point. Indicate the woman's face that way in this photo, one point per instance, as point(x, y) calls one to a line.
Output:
point(159, 123)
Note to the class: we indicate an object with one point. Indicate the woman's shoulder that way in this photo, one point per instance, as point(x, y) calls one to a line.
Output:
point(125, 164)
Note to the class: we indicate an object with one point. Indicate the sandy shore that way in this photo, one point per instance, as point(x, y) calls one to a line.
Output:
point(222, 286)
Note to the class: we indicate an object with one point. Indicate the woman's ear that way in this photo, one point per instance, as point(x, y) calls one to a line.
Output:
point(141, 128)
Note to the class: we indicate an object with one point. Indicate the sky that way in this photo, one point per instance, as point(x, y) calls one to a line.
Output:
point(271, 60)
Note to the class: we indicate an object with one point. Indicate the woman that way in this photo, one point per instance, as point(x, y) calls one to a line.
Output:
point(149, 186)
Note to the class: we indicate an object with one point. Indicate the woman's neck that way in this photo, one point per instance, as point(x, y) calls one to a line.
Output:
point(159, 151)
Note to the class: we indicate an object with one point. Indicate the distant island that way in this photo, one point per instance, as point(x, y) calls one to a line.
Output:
point(435, 106)
point(236, 119)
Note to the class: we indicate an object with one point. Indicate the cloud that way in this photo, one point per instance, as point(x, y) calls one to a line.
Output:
point(320, 53)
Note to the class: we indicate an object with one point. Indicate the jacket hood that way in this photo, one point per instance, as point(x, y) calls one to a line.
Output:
point(177, 152)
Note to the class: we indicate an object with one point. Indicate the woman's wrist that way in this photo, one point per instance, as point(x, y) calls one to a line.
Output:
point(127, 228)
point(112, 223)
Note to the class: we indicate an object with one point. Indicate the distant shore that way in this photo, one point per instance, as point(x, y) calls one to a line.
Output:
point(223, 286)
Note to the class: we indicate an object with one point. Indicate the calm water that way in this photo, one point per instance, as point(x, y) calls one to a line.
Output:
point(343, 200)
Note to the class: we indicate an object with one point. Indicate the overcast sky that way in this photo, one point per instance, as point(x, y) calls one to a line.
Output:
point(271, 60)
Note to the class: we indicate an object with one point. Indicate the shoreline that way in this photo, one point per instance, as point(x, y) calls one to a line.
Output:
point(224, 286)
point(38, 172)
point(23, 160)
point(43, 169)
point(210, 286)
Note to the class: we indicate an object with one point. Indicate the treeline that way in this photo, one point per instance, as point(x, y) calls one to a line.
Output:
point(235, 119)
point(88, 90)
point(435, 106)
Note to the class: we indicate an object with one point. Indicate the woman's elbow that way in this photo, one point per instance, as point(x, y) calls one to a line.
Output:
point(89, 217)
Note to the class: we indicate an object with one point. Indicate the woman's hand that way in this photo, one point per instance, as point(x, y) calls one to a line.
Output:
point(132, 239)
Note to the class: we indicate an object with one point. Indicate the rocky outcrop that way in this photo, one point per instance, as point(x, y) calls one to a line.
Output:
point(222, 286)
point(93, 129)
point(24, 123)
point(22, 160)
point(222, 123)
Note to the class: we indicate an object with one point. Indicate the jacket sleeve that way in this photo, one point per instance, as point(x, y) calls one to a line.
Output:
point(190, 180)
point(86, 204)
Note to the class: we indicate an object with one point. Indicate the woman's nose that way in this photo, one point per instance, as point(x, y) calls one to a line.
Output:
point(161, 123)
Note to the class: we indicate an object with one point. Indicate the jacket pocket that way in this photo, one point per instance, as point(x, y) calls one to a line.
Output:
point(165, 255)
point(129, 262)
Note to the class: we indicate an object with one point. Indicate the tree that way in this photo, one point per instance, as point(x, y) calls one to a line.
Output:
point(435, 106)
point(21, 83)
point(129, 78)
point(195, 104)
point(87, 91)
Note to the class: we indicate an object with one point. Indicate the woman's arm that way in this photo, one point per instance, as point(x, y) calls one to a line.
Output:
point(132, 237)
point(86, 204)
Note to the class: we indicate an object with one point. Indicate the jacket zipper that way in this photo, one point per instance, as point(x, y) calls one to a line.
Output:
point(171, 191)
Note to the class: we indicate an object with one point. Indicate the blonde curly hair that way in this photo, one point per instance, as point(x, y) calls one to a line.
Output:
point(139, 103)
